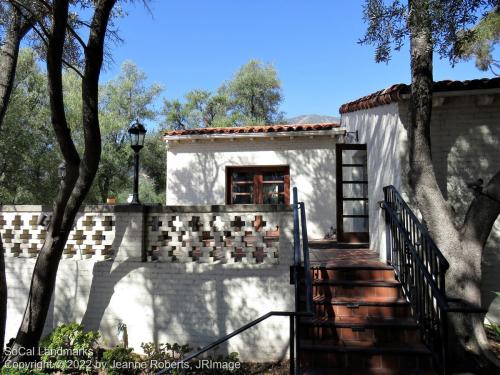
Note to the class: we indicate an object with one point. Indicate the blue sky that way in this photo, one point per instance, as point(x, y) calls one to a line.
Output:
point(187, 44)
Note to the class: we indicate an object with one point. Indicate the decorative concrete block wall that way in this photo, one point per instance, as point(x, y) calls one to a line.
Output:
point(207, 237)
point(23, 230)
point(210, 270)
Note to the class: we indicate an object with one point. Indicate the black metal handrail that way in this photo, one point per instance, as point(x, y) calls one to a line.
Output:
point(299, 221)
point(420, 267)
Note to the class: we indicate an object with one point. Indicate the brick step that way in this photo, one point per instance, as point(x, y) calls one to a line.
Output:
point(372, 330)
point(374, 273)
point(355, 355)
point(356, 288)
point(384, 307)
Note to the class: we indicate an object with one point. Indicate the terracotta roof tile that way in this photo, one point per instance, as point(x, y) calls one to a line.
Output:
point(395, 92)
point(254, 129)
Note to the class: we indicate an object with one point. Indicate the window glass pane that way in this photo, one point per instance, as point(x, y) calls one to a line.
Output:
point(242, 199)
point(274, 199)
point(273, 188)
point(242, 176)
point(242, 188)
point(273, 176)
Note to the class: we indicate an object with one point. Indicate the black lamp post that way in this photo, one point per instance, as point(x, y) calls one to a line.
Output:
point(136, 132)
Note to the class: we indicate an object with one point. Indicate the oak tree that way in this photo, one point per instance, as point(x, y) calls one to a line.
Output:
point(435, 27)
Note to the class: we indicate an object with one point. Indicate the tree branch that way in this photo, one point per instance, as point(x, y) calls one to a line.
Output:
point(9, 52)
point(94, 55)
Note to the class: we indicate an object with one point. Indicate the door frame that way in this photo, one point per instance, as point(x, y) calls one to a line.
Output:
point(347, 237)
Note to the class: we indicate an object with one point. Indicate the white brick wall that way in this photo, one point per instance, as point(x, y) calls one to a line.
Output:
point(196, 172)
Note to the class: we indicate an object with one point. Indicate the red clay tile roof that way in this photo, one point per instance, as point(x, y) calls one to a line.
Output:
point(254, 129)
point(395, 92)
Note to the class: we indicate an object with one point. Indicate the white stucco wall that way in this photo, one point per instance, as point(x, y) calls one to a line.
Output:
point(383, 133)
point(196, 172)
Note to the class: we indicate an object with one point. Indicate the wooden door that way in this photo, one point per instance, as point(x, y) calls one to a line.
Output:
point(352, 193)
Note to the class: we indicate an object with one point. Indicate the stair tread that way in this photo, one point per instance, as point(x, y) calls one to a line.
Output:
point(363, 346)
point(375, 283)
point(350, 321)
point(352, 266)
point(362, 301)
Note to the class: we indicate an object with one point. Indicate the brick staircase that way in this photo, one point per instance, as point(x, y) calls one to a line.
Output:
point(362, 323)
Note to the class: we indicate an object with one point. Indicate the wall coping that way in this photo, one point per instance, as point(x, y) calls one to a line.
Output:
point(157, 208)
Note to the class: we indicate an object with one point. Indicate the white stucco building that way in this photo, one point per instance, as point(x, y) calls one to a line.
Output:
point(256, 165)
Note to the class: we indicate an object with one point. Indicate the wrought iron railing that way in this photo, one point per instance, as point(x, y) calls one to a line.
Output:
point(299, 227)
point(421, 268)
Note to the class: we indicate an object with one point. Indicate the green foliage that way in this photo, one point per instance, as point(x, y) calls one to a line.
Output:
point(253, 96)
point(28, 150)
point(69, 347)
point(123, 100)
point(478, 42)
point(29, 153)
point(230, 361)
point(388, 26)
point(493, 329)
point(15, 371)
point(120, 355)
point(163, 353)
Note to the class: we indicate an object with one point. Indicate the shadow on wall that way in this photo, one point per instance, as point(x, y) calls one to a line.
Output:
point(464, 150)
point(188, 303)
point(198, 182)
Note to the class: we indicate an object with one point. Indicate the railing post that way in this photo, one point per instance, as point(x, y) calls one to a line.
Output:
point(307, 268)
point(296, 247)
point(292, 345)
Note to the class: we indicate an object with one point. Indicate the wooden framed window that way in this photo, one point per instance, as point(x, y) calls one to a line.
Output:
point(258, 185)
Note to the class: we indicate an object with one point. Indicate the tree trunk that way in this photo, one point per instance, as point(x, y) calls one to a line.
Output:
point(79, 174)
point(462, 249)
point(9, 52)
point(3, 300)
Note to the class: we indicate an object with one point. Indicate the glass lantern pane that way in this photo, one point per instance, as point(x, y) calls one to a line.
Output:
point(141, 139)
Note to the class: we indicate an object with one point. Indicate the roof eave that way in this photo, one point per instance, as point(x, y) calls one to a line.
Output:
point(268, 135)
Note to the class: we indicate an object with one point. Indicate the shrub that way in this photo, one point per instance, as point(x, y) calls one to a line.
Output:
point(120, 355)
point(16, 371)
point(69, 348)
point(163, 353)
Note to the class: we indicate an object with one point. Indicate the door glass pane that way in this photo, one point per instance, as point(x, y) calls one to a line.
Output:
point(354, 174)
point(355, 190)
point(354, 157)
point(355, 207)
point(355, 224)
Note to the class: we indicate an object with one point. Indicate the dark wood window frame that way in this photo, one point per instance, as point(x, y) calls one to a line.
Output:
point(258, 181)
